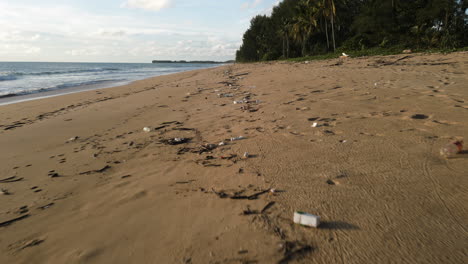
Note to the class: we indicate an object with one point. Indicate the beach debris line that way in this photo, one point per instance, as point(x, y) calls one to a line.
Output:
point(451, 149)
point(306, 219)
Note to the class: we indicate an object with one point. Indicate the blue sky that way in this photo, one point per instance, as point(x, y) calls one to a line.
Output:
point(124, 30)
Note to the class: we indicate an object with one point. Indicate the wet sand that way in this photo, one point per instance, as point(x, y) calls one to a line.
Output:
point(83, 183)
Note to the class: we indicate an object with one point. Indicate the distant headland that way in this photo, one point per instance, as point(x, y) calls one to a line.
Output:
point(184, 61)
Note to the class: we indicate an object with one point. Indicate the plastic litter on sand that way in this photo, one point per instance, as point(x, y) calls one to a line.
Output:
point(306, 219)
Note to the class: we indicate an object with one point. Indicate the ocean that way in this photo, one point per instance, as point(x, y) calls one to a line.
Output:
point(26, 78)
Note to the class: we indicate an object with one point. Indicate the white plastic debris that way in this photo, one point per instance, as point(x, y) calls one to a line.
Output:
point(246, 155)
point(72, 139)
point(345, 55)
point(315, 125)
point(237, 138)
point(147, 129)
point(238, 102)
point(306, 219)
point(179, 139)
point(221, 143)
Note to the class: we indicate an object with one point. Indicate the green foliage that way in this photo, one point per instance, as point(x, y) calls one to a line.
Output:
point(297, 28)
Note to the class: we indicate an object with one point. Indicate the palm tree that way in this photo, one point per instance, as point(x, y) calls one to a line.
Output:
point(284, 32)
point(304, 23)
point(330, 11)
point(324, 15)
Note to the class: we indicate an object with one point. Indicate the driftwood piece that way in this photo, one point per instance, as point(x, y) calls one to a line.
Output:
point(96, 171)
point(11, 221)
point(11, 179)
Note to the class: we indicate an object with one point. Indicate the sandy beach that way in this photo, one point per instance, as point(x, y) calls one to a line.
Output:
point(83, 183)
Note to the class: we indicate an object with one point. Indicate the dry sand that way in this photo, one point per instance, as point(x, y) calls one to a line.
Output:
point(370, 170)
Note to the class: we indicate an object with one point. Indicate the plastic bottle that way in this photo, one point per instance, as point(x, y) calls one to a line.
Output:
point(452, 149)
point(237, 138)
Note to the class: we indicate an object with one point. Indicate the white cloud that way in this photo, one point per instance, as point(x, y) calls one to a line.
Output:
point(61, 33)
point(251, 4)
point(153, 5)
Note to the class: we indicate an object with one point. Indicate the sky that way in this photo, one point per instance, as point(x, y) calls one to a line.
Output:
point(125, 30)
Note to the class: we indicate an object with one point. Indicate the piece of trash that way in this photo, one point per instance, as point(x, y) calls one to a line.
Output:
point(452, 149)
point(221, 143)
point(343, 141)
point(225, 95)
point(72, 139)
point(46, 206)
point(315, 125)
point(175, 141)
point(345, 55)
point(238, 102)
point(53, 174)
point(147, 129)
point(420, 116)
point(306, 219)
point(246, 155)
point(237, 138)
point(4, 192)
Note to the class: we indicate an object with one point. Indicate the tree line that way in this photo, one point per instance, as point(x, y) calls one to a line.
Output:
point(298, 28)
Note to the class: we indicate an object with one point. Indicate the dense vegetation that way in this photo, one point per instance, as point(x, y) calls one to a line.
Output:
point(298, 28)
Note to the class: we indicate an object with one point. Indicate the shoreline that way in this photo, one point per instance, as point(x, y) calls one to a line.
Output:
point(38, 94)
point(82, 182)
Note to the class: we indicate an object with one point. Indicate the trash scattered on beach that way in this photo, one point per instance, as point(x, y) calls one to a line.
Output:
point(345, 55)
point(306, 219)
point(451, 149)
point(147, 129)
point(238, 102)
point(221, 143)
point(237, 138)
point(315, 125)
point(246, 155)
point(225, 95)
